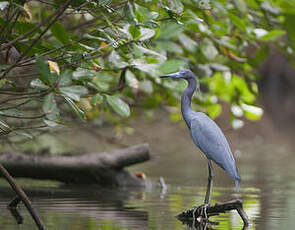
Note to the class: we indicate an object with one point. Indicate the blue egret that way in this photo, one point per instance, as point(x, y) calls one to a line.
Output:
point(206, 134)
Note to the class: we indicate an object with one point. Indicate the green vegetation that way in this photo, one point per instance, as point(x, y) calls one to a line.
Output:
point(65, 61)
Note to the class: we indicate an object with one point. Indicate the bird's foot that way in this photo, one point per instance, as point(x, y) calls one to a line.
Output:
point(200, 213)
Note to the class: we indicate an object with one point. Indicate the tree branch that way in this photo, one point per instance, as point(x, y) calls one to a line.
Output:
point(16, 106)
point(30, 31)
point(20, 193)
point(23, 117)
point(59, 13)
point(25, 96)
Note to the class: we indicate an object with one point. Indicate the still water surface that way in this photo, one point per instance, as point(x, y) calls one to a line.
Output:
point(265, 158)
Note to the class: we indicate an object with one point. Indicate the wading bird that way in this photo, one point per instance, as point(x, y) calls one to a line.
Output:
point(206, 134)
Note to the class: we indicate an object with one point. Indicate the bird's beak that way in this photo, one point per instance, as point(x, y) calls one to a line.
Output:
point(172, 75)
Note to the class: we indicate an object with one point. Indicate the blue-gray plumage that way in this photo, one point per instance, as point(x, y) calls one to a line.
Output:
point(205, 132)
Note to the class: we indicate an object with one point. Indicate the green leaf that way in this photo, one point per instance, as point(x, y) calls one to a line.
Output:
point(104, 2)
point(3, 82)
point(43, 67)
point(172, 65)
point(144, 50)
point(252, 112)
point(96, 99)
point(176, 6)
point(169, 30)
point(214, 110)
point(208, 49)
point(238, 22)
point(129, 12)
point(76, 3)
point(116, 61)
point(74, 92)
point(219, 67)
point(83, 74)
point(241, 5)
point(146, 86)
point(99, 85)
point(65, 78)
point(268, 7)
point(59, 32)
point(143, 66)
point(272, 35)
point(187, 42)
point(289, 25)
point(169, 46)
point(50, 108)
point(75, 108)
point(146, 34)
point(134, 31)
point(118, 105)
point(38, 84)
point(144, 15)
point(23, 27)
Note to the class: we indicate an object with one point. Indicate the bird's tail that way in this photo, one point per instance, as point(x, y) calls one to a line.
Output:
point(237, 183)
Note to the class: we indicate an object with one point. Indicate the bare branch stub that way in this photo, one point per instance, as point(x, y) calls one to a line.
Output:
point(196, 212)
point(12, 207)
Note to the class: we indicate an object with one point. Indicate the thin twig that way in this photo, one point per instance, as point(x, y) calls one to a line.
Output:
point(30, 31)
point(15, 106)
point(20, 193)
point(30, 127)
point(23, 117)
point(25, 75)
point(25, 96)
point(22, 63)
point(122, 81)
point(18, 93)
point(16, 18)
point(8, 19)
point(60, 12)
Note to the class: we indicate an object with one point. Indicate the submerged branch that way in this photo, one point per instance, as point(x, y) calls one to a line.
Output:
point(189, 215)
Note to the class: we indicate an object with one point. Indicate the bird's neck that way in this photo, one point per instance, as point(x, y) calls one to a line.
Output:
point(186, 99)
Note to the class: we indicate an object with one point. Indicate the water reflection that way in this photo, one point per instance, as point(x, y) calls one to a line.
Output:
point(80, 208)
point(266, 162)
point(96, 208)
point(210, 225)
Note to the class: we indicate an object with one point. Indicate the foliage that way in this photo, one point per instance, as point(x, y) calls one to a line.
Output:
point(95, 59)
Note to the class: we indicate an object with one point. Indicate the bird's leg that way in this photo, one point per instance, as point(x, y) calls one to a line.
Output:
point(210, 183)
point(208, 192)
point(203, 207)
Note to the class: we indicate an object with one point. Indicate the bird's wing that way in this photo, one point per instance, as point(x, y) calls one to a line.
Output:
point(210, 139)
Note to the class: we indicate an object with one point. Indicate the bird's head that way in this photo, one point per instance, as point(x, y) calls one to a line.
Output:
point(184, 74)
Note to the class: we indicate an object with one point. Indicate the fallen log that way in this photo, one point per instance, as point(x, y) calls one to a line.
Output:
point(94, 168)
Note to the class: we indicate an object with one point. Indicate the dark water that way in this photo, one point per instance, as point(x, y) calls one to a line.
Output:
point(265, 158)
